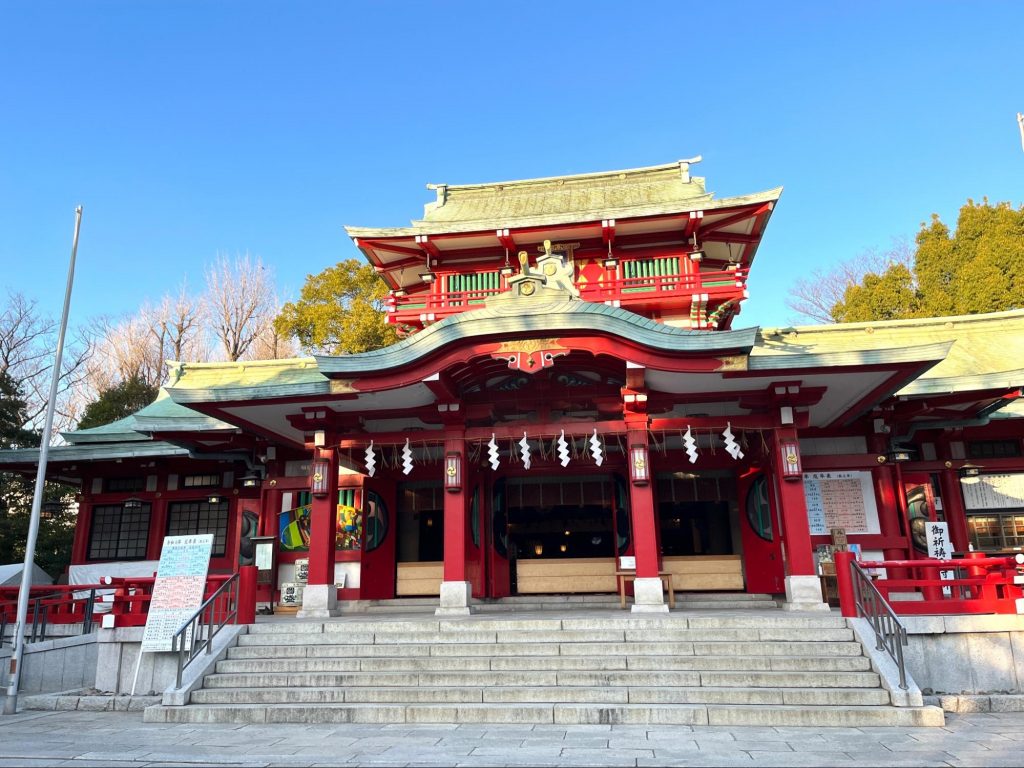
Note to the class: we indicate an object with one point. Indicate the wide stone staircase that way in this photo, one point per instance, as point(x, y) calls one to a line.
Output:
point(687, 668)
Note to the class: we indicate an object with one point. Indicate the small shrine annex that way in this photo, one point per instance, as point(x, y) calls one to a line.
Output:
point(573, 386)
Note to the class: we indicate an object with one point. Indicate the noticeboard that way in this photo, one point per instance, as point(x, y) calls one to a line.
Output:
point(840, 500)
point(178, 590)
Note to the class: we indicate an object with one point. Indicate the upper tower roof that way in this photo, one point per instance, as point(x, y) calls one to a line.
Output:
point(633, 191)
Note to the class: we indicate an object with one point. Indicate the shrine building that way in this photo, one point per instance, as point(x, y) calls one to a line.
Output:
point(574, 394)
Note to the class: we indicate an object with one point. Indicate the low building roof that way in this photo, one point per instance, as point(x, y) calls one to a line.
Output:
point(987, 349)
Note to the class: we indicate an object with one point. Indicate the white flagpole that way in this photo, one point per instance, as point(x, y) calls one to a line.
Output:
point(18, 649)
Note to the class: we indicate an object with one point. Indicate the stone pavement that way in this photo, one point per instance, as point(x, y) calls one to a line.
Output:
point(121, 739)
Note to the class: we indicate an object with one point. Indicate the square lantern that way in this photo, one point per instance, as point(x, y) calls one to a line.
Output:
point(639, 465)
point(453, 472)
point(791, 469)
point(319, 477)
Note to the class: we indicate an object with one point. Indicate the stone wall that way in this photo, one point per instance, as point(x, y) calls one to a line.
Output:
point(62, 664)
point(966, 654)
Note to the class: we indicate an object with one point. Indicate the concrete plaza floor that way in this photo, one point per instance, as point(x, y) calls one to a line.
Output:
point(121, 739)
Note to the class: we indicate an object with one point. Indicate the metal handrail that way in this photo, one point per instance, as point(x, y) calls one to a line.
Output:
point(190, 640)
point(890, 634)
point(40, 609)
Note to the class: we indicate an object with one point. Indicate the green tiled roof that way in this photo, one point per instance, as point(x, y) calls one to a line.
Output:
point(105, 451)
point(163, 415)
point(514, 318)
point(632, 192)
point(192, 382)
point(987, 350)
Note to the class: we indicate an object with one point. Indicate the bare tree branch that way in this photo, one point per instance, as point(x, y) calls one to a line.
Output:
point(240, 302)
point(814, 298)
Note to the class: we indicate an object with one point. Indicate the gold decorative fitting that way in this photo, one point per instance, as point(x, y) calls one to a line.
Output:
point(527, 289)
point(881, 459)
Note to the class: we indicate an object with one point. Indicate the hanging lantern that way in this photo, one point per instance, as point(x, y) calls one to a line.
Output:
point(639, 465)
point(453, 472)
point(319, 472)
point(791, 460)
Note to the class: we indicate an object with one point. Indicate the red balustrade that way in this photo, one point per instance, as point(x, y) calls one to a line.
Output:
point(436, 302)
point(980, 584)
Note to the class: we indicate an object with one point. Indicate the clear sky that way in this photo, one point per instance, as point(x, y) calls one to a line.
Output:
point(191, 128)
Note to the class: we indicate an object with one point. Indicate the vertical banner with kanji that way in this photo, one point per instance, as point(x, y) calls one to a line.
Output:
point(178, 590)
point(940, 549)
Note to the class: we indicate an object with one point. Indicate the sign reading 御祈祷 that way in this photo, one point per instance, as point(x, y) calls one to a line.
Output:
point(178, 590)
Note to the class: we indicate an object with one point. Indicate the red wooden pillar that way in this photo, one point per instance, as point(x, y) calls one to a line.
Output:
point(455, 590)
point(887, 493)
point(320, 597)
point(323, 532)
point(455, 503)
point(641, 504)
point(803, 588)
point(647, 586)
point(953, 509)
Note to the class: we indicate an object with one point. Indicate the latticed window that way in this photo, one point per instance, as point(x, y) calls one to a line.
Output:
point(999, 530)
point(201, 481)
point(124, 484)
point(119, 531)
point(186, 518)
point(993, 449)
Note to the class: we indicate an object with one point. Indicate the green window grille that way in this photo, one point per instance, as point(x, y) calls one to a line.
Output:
point(666, 268)
point(474, 281)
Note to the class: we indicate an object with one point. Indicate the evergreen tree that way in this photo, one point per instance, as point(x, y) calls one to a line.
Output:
point(119, 401)
point(340, 311)
point(979, 268)
point(57, 526)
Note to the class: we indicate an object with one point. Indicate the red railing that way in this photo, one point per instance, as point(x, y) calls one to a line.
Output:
point(53, 604)
point(719, 285)
point(436, 303)
point(979, 584)
point(129, 601)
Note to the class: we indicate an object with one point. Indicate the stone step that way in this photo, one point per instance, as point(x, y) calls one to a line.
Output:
point(645, 714)
point(627, 677)
point(588, 638)
point(554, 663)
point(521, 650)
point(474, 624)
point(551, 694)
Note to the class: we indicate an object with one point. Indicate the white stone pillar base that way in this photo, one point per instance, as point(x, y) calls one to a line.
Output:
point(648, 596)
point(454, 599)
point(319, 601)
point(803, 593)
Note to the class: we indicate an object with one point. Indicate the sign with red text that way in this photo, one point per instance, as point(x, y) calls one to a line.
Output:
point(178, 590)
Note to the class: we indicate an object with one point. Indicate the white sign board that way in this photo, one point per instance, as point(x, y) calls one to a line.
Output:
point(179, 587)
point(840, 500)
point(939, 548)
point(995, 492)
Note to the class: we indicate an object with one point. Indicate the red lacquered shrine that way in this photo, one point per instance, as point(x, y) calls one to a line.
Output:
point(572, 396)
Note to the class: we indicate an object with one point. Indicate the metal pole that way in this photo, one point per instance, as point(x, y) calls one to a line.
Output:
point(18, 642)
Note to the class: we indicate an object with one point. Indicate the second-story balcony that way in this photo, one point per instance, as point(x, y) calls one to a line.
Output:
point(661, 288)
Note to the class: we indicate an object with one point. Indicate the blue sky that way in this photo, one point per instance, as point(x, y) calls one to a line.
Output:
point(191, 128)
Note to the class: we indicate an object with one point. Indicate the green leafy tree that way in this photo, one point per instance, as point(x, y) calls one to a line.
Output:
point(978, 268)
point(57, 525)
point(340, 311)
point(121, 400)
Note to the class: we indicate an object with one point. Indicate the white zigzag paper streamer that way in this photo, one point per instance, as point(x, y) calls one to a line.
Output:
point(406, 458)
point(524, 451)
point(595, 449)
point(731, 446)
point(492, 453)
point(691, 445)
point(563, 450)
point(371, 461)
